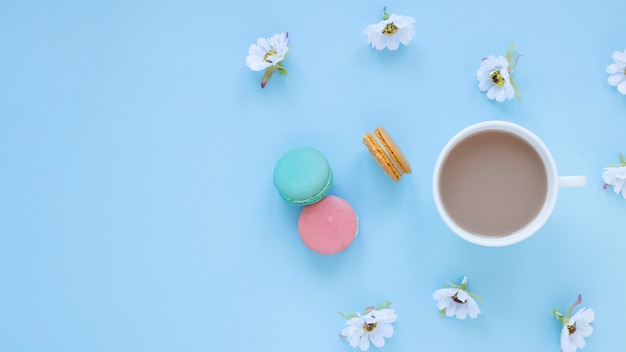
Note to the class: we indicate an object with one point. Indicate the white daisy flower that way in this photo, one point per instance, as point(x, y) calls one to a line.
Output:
point(574, 332)
point(267, 54)
point(615, 175)
point(575, 328)
point(495, 76)
point(390, 32)
point(617, 71)
point(456, 301)
point(372, 327)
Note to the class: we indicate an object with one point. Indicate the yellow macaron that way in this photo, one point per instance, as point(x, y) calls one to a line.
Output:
point(386, 153)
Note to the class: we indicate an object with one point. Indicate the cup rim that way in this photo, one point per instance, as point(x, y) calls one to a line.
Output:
point(551, 194)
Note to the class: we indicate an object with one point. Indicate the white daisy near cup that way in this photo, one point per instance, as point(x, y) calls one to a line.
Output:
point(456, 301)
point(615, 176)
point(617, 71)
point(495, 76)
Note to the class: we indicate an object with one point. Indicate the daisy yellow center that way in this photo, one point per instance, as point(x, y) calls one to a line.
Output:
point(390, 29)
point(369, 327)
point(496, 78)
point(457, 300)
point(268, 54)
point(571, 328)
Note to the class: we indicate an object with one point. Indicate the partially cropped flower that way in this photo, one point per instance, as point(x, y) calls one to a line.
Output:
point(615, 175)
point(390, 32)
point(495, 76)
point(374, 326)
point(575, 328)
point(267, 54)
point(617, 71)
point(455, 300)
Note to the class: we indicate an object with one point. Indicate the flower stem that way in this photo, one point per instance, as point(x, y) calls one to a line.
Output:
point(266, 76)
point(569, 310)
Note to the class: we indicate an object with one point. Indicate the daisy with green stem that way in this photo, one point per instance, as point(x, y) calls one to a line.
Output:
point(456, 301)
point(495, 76)
point(373, 326)
point(615, 175)
point(268, 54)
point(575, 327)
point(390, 32)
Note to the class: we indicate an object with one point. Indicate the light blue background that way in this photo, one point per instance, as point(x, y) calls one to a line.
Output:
point(137, 210)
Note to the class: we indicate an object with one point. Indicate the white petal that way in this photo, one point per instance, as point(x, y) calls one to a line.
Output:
point(586, 315)
point(377, 338)
point(494, 93)
point(509, 90)
point(386, 315)
point(616, 79)
point(622, 87)
point(263, 44)
point(364, 344)
point(451, 309)
point(256, 64)
point(619, 57)
point(484, 83)
point(386, 330)
point(620, 171)
point(256, 50)
point(461, 311)
point(378, 41)
point(405, 35)
point(442, 292)
point(473, 310)
point(614, 68)
point(618, 184)
point(577, 339)
point(608, 175)
point(567, 345)
point(392, 42)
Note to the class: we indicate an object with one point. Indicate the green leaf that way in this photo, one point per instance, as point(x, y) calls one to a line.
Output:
point(348, 316)
point(383, 306)
point(517, 93)
point(475, 296)
point(622, 158)
point(509, 54)
point(557, 314)
point(281, 69)
point(385, 14)
point(442, 313)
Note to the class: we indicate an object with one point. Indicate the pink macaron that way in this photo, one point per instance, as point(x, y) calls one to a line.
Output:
point(328, 226)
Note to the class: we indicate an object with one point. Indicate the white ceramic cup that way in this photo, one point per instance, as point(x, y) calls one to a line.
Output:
point(554, 182)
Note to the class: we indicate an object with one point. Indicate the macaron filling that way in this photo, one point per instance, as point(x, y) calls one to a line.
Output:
point(386, 153)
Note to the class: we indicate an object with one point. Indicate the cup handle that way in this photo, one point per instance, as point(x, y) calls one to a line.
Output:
point(572, 181)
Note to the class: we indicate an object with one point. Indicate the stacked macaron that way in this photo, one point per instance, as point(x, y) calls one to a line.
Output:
point(327, 224)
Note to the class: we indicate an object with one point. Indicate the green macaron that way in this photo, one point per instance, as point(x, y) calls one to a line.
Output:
point(303, 176)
